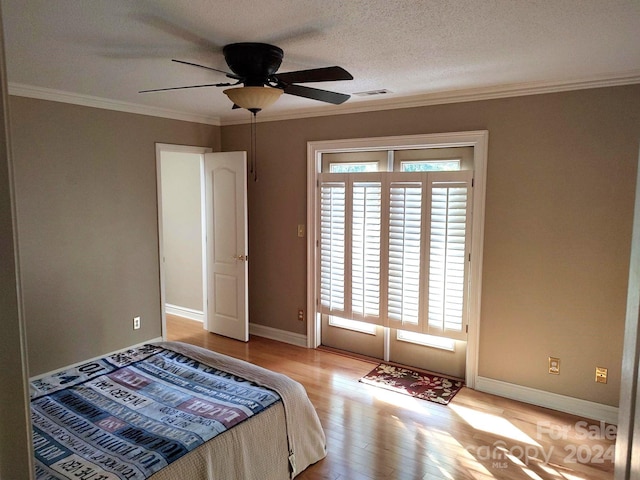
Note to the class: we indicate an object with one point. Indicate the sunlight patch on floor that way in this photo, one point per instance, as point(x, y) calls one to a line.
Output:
point(524, 467)
point(494, 424)
point(532, 474)
point(463, 457)
point(571, 476)
point(481, 476)
point(399, 399)
point(551, 471)
point(519, 456)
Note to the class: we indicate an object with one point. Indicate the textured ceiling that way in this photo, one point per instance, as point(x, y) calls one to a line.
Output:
point(416, 49)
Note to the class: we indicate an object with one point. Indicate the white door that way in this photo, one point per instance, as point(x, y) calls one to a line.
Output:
point(227, 246)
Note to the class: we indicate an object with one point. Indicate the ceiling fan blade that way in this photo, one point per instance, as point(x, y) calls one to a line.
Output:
point(189, 86)
point(316, 94)
point(325, 74)
point(228, 74)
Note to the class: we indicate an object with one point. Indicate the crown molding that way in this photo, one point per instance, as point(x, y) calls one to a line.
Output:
point(451, 96)
point(30, 91)
point(390, 103)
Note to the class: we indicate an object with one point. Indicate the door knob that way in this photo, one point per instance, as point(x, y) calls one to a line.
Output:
point(242, 258)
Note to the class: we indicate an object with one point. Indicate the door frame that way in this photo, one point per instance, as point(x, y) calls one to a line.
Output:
point(167, 147)
point(479, 141)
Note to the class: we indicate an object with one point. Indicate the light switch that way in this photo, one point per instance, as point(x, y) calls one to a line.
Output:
point(301, 230)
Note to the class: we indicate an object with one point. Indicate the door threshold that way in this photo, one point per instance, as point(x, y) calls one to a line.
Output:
point(346, 353)
point(376, 361)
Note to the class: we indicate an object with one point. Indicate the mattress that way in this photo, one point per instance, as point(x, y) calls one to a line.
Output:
point(223, 419)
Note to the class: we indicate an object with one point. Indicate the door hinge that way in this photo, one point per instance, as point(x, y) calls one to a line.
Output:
point(467, 329)
point(473, 181)
point(469, 257)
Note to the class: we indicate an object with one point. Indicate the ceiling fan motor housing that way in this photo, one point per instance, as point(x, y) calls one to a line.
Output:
point(254, 62)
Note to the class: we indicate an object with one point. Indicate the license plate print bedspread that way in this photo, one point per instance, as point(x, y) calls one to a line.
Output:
point(128, 415)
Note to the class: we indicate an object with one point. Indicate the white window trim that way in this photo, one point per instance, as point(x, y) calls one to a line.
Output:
point(476, 139)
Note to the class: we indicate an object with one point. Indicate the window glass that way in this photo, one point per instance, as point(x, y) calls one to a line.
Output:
point(430, 165)
point(432, 159)
point(352, 325)
point(426, 340)
point(353, 167)
point(355, 162)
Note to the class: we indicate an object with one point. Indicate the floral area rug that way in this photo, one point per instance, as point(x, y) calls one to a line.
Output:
point(417, 384)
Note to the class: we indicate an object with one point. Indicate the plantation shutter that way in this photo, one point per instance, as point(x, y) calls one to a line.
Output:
point(365, 250)
point(449, 196)
point(350, 245)
point(405, 253)
point(332, 247)
point(393, 249)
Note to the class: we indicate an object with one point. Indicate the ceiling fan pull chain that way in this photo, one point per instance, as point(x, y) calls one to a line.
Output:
point(251, 148)
point(254, 164)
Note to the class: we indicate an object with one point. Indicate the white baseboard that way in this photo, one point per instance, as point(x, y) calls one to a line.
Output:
point(562, 403)
point(77, 364)
point(184, 312)
point(276, 334)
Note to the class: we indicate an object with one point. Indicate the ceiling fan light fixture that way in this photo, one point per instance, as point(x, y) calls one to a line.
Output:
point(253, 99)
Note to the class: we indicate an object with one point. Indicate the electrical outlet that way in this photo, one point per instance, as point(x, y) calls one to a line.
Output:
point(601, 374)
point(301, 314)
point(554, 365)
point(136, 323)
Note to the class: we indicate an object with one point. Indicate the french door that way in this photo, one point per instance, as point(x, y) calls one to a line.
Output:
point(394, 253)
point(391, 270)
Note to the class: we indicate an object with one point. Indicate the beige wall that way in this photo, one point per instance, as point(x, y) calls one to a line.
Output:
point(182, 230)
point(560, 189)
point(560, 192)
point(87, 220)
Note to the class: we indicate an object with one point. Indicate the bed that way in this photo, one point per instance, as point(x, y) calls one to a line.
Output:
point(170, 411)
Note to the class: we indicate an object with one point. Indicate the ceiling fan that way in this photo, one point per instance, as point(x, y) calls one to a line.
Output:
point(255, 67)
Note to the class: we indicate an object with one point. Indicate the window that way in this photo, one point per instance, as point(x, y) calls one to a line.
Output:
point(394, 249)
point(353, 167)
point(430, 165)
point(470, 147)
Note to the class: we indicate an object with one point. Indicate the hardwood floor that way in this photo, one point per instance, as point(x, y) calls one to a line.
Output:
point(376, 434)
